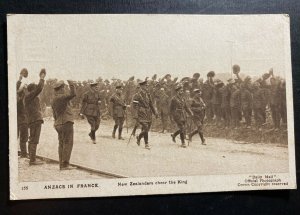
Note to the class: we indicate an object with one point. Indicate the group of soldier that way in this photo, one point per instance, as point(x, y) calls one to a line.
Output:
point(189, 103)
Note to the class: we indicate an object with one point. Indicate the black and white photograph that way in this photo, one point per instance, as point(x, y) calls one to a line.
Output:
point(117, 105)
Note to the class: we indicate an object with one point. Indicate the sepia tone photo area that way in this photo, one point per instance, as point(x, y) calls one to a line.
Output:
point(125, 96)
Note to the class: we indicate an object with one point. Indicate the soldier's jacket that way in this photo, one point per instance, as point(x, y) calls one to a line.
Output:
point(246, 98)
point(21, 112)
point(235, 99)
point(179, 108)
point(198, 108)
point(91, 103)
point(143, 106)
point(163, 103)
point(275, 95)
point(32, 104)
point(259, 98)
point(118, 106)
point(225, 97)
point(216, 96)
point(207, 92)
point(62, 111)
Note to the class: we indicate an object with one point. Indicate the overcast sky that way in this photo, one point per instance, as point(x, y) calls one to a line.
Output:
point(81, 47)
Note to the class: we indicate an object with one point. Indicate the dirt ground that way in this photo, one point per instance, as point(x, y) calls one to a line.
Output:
point(219, 156)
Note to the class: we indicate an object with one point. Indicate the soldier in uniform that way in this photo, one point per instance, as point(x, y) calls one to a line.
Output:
point(118, 108)
point(144, 109)
point(225, 103)
point(34, 114)
point(163, 104)
point(21, 115)
point(235, 106)
point(275, 102)
point(217, 100)
point(63, 122)
point(198, 109)
point(246, 101)
point(178, 110)
point(258, 104)
point(208, 87)
point(91, 109)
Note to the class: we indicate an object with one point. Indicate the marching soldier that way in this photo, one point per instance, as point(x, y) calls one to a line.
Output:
point(198, 109)
point(63, 122)
point(178, 109)
point(34, 114)
point(21, 115)
point(144, 109)
point(118, 108)
point(91, 109)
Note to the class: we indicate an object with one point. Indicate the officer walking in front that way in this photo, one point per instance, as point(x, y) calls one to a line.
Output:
point(178, 109)
point(91, 109)
point(144, 109)
point(118, 111)
point(63, 122)
point(34, 114)
point(198, 108)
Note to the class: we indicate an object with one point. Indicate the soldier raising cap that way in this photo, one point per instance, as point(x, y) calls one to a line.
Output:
point(211, 74)
point(24, 72)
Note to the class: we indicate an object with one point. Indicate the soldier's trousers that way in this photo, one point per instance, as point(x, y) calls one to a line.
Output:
point(235, 116)
point(145, 130)
point(209, 112)
point(259, 116)
point(23, 137)
point(199, 129)
point(65, 143)
point(217, 112)
point(275, 110)
point(34, 138)
point(164, 120)
point(247, 113)
point(94, 122)
point(226, 116)
point(181, 130)
point(119, 121)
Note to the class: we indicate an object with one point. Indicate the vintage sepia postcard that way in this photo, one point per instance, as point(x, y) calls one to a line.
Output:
point(119, 105)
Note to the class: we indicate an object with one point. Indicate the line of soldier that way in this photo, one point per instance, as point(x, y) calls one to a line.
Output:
point(186, 102)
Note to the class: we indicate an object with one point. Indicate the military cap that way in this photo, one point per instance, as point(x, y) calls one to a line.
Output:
point(58, 84)
point(24, 72)
point(196, 75)
point(236, 69)
point(167, 75)
point(211, 74)
point(185, 79)
point(178, 87)
point(196, 90)
point(141, 83)
point(131, 78)
point(92, 84)
point(106, 81)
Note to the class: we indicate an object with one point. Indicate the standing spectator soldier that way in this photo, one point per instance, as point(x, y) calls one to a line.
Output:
point(235, 106)
point(198, 109)
point(163, 104)
point(144, 109)
point(217, 100)
point(118, 111)
point(21, 114)
point(90, 108)
point(34, 114)
point(225, 103)
point(282, 90)
point(275, 102)
point(246, 101)
point(63, 122)
point(208, 87)
point(258, 105)
point(178, 110)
